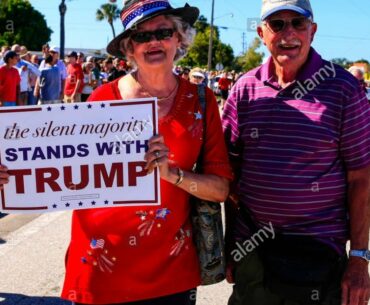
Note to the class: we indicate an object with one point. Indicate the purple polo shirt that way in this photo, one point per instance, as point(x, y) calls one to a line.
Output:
point(296, 145)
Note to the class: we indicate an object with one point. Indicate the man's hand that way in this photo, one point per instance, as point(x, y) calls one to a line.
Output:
point(356, 283)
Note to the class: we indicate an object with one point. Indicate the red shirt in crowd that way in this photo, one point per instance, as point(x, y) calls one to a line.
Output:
point(224, 83)
point(9, 80)
point(127, 254)
point(74, 73)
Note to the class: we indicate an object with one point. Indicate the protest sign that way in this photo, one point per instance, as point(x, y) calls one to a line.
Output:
point(78, 156)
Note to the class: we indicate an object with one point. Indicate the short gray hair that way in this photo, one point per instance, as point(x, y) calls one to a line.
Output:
point(186, 33)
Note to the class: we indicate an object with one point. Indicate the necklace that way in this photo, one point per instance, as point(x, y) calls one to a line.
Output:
point(171, 95)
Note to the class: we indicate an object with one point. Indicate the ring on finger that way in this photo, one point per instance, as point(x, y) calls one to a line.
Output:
point(156, 153)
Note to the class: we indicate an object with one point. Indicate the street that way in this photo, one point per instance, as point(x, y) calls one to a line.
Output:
point(32, 249)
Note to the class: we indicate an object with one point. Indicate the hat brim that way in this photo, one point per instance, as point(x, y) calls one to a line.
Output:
point(296, 9)
point(189, 14)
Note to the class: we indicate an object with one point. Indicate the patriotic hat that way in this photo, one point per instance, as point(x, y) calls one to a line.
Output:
point(138, 11)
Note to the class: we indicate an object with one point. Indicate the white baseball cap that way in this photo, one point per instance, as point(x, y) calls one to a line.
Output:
point(270, 7)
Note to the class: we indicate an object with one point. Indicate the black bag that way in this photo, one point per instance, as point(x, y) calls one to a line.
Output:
point(298, 268)
point(207, 225)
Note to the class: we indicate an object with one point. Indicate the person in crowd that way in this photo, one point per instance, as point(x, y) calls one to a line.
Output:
point(185, 73)
point(111, 71)
point(26, 69)
point(89, 81)
point(120, 65)
point(74, 81)
point(359, 74)
point(9, 80)
point(96, 69)
point(302, 162)
point(144, 273)
point(80, 58)
point(196, 76)
point(3, 50)
point(61, 66)
point(48, 83)
point(224, 84)
point(45, 50)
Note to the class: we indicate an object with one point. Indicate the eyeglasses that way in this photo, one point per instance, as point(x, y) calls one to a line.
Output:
point(160, 34)
point(279, 25)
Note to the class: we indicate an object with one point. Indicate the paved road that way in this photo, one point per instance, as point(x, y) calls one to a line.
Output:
point(32, 258)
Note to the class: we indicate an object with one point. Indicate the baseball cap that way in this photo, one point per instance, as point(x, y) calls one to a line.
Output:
point(270, 7)
point(54, 49)
point(72, 54)
point(198, 74)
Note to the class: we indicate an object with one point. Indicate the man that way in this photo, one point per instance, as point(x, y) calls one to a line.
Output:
point(54, 51)
point(48, 83)
point(26, 71)
point(74, 81)
point(298, 132)
point(9, 80)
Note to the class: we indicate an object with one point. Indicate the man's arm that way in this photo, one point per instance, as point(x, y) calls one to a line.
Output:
point(356, 282)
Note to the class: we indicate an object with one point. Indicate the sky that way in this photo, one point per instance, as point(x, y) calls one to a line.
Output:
point(343, 25)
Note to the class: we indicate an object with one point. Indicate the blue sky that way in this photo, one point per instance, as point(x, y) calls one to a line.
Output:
point(343, 25)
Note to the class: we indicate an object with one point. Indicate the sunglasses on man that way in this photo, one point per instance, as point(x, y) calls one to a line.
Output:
point(280, 25)
point(161, 34)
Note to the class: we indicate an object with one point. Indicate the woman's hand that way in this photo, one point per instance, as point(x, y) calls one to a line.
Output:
point(157, 156)
point(4, 176)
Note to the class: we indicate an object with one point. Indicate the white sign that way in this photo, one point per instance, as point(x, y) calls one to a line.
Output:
point(78, 156)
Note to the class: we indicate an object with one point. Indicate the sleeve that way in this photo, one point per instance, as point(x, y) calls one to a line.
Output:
point(355, 130)
point(215, 159)
point(230, 123)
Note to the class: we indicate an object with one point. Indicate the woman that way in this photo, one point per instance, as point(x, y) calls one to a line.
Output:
point(145, 255)
point(196, 76)
point(89, 81)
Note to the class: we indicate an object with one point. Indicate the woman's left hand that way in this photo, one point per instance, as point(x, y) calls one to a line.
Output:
point(157, 156)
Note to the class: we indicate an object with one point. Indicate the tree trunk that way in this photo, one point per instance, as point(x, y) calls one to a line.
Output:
point(114, 32)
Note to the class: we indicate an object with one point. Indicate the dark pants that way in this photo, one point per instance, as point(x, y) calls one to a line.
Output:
point(249, 288)
point(182, 298)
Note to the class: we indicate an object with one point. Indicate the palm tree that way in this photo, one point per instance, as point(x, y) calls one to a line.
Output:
point(110, 12)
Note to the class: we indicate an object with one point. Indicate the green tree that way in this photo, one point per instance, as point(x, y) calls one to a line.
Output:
point(198, 52)
point(344, 62)
point(251, 58)
point(20, 23)
point(109, 12)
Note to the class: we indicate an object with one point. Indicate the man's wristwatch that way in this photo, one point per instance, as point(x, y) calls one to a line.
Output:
point(365, 254)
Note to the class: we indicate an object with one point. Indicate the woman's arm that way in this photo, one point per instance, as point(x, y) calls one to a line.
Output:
point(208, 187)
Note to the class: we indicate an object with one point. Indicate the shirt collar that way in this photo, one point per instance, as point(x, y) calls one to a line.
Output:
point(313, 63)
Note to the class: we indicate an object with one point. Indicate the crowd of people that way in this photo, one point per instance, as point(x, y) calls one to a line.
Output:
point(27, 79)
point(290, 156)
point(49, 79)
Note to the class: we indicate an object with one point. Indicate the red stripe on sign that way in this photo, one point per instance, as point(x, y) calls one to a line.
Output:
point(20, 110)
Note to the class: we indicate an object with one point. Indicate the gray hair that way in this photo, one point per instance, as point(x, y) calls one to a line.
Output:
point(186, 33)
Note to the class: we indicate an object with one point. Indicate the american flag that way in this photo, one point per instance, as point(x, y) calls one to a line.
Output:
point(97, 243)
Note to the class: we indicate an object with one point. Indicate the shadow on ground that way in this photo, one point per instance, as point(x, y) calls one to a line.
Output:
point(20, 299)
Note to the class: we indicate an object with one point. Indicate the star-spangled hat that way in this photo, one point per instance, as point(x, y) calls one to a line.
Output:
point(138, 11)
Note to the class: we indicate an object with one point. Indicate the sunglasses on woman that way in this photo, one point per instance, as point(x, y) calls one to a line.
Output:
point(279, 25)
point(160, 34)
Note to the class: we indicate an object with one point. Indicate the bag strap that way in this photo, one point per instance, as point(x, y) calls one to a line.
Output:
point(202, 102)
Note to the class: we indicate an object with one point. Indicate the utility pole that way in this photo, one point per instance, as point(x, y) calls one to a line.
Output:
point(62, 11)
point(243, 42)
point(211, 38)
